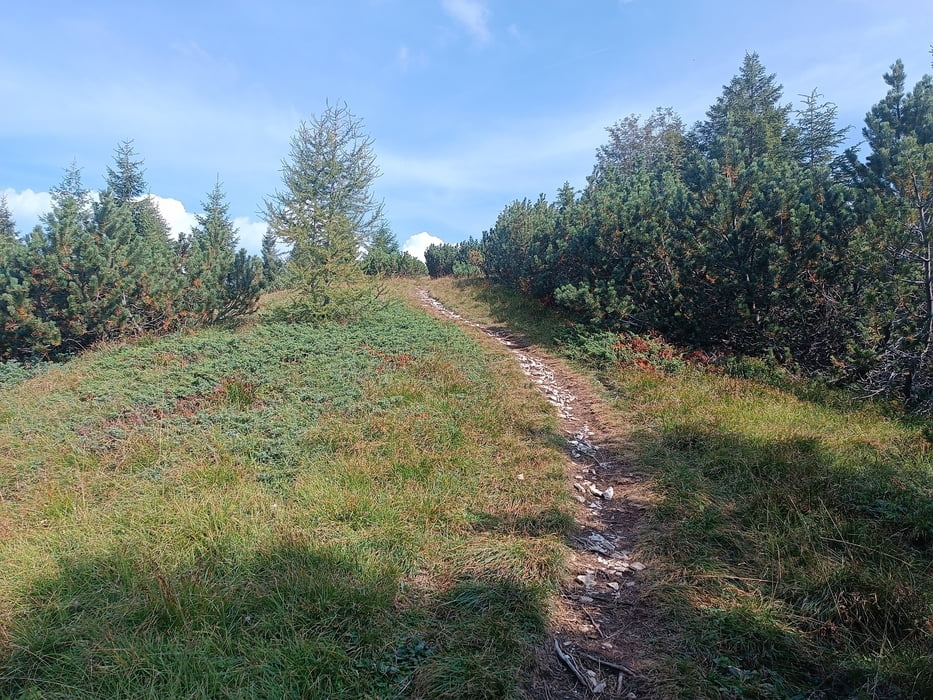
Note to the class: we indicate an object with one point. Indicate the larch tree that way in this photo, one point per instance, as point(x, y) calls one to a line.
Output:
point(326, 213)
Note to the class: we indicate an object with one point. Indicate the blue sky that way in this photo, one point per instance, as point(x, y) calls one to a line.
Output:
point(471, 103)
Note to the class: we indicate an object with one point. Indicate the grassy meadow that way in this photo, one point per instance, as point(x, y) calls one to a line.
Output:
point(792, 535)
point(287, 510)
point(279, 510)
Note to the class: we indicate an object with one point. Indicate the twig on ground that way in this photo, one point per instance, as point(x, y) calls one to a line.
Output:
point(571, 664)
point(610, 664)
point(595, 624)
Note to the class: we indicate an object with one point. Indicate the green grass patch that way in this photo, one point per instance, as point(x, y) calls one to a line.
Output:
point(282, 510)
point(792, 535)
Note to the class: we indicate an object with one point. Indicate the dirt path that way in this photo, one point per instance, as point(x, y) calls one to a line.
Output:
point(596, 645)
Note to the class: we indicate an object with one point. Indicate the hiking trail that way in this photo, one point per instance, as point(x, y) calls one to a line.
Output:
point(596, 643)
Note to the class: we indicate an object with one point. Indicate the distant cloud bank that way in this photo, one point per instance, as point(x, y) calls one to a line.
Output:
point(417, 244)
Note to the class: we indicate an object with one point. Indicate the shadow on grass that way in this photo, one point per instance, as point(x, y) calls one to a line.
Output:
point(528, 320)
point(550, 521)
point(804, 570)
point(292, 620)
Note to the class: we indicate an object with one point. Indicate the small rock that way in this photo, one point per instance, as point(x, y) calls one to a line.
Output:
point(595, 491)
point(585, 599)
point(613, 585)
point(579, 499)
point(587, 580)
point(608, 493)
point(637, 565)
point(579, 487)
point(521, 477)
point(629, 584)
point(599, 687)
point(599, 544)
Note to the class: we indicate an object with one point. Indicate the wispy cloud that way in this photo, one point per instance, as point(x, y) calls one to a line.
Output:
point(403, 57)
point(473, 15)
point(406, 59)
point(517, 158)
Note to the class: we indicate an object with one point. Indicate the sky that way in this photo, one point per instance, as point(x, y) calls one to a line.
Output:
point(471, 104)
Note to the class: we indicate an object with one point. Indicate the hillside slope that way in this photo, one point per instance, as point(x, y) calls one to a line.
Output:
point(278, 511)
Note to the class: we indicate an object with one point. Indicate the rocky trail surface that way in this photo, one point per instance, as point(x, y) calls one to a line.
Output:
point(597, 637)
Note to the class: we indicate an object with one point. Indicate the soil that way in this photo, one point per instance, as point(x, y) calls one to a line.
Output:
point(597, 642)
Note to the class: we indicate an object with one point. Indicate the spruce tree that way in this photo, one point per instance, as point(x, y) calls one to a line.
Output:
point(385, 258)
point(748, 119)
point(222, 283)
point(126, 180)
point(273, 267)
point(819, 134)
point(159, 283)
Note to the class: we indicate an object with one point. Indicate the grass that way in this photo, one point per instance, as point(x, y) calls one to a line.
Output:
point(280, 510)
point(792, 536)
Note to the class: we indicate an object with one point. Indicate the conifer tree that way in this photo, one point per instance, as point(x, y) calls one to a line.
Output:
point(747, 120)
point(385, 258)
point(819, 134)
point(8, 235)
point(78, 272)
point(898, 174)
point(22, 333)
point(272, 265)
point(126, 180)
point(327, 214)
point(222, 282)
point(158, 282)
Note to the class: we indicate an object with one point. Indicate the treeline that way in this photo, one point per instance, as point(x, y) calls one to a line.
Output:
point(384, 257)
point(750, 233)
point(464, 259)
point(106, 267)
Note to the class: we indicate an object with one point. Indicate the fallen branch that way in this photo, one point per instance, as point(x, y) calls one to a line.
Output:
point(571, 664)
point(610, 664)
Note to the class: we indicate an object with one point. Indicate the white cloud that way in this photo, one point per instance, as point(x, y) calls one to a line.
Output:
point(27, 206)
point(417, 244)
point(176, 216)
point(251, 233)
point(473, 15)
point(180, 220)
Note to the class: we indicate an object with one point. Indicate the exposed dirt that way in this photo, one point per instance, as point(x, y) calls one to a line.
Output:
point(597, 638)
